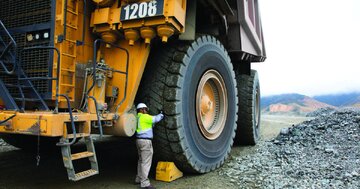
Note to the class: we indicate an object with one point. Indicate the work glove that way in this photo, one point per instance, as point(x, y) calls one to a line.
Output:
point(158, 117)
point(161, 115)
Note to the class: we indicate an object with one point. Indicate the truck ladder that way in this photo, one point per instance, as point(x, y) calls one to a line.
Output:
point(68, 45)
point(68, 158)
point(67, 155)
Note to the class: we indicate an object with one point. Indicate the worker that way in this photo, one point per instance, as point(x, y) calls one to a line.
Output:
point(144, 136)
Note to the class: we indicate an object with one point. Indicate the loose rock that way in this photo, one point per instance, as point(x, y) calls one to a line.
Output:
point(321, 153)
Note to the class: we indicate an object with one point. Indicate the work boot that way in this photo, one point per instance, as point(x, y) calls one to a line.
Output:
point(149, 187)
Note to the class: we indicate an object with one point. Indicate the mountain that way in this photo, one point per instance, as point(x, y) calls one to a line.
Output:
point(291, 104)
point(341, 100)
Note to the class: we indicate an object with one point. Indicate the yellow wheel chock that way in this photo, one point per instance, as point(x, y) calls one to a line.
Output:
point(167, 171)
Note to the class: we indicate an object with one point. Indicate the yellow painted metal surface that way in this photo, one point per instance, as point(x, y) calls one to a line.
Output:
point(167, 171)
point(102, 16)
point(124, 126)
point(116, 59)
point(108, 19)
point(174, 14)
point(50, 124)
point(103, 22)
point(104, 3)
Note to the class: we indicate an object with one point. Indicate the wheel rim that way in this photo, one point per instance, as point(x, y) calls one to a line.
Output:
point(211, 104)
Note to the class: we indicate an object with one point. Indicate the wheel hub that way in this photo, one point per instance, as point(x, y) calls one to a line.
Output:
point(211, 104)
point(206, 105)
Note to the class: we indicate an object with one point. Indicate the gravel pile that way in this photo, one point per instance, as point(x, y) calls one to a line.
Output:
point(320, 153)
point(321, 112)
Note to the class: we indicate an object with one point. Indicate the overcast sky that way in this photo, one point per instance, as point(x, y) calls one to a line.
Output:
point(313, 46)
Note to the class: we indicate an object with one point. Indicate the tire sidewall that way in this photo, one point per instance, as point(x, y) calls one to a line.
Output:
point(208, 55)
point(256, 115)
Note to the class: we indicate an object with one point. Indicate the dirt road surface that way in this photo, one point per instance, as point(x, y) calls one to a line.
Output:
point(117, 162)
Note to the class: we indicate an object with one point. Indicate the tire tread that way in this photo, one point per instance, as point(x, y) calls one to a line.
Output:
point(245, 133)
point(166, 70)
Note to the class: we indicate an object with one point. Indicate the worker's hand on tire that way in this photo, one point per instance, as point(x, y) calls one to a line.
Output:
point(161, 115)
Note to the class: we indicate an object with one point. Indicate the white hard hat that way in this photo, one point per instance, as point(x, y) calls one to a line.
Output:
point(141, 105)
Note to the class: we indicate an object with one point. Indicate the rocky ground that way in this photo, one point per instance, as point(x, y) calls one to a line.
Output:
point(321, 153)
point(321, 112)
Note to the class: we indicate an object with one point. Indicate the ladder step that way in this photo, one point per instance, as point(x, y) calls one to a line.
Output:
point(71, 26)
point(78, 135)
point(72, 12)
point(67, 85)
point(68, 70)
point(69, 55)
point(71, 41)
point(85, 174)
point(81, 155)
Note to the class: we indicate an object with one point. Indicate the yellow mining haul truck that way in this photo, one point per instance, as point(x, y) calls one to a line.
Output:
point(72, 68)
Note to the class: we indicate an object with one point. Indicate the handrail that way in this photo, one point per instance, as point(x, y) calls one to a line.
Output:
point(62, 37)
point(12, 42)
point(57, 78)
point(72, 124)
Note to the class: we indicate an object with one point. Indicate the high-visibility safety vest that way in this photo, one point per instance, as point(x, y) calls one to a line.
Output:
point(144, 126)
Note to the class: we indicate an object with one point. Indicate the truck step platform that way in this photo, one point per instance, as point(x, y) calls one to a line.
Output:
point(81, 155)
point(68, 158)
point(85, 174)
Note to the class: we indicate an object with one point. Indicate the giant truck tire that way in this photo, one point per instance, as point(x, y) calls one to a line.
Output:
point(30, 143)
point(248, 129)
point(194, 84)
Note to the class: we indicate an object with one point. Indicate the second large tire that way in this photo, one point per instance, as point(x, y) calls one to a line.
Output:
point(248, 129)
point(194, 84)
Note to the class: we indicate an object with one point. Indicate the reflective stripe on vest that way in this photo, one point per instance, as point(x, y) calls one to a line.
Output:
point(145, 122)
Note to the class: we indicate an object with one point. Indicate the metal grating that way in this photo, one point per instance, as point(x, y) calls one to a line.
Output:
point(35, 63)
point(18, 13)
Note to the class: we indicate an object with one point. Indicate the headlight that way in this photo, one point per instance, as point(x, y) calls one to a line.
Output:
point(37, 36)
point(46, 35)
point(29, 37)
